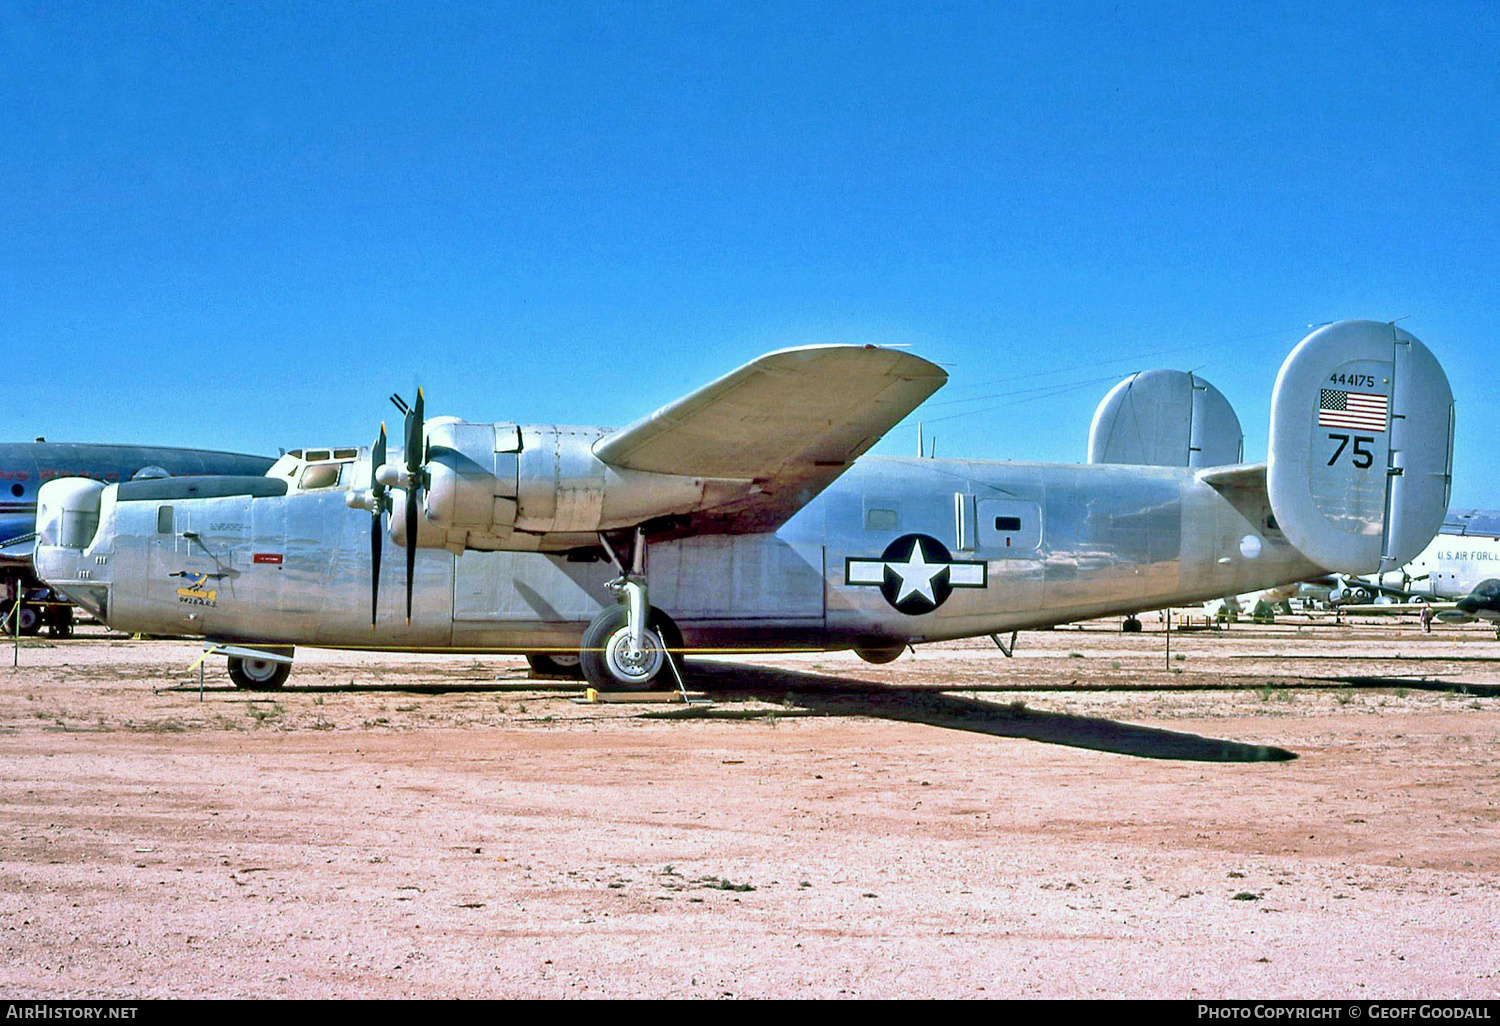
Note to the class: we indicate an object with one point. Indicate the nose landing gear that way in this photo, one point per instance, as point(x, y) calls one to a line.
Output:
point(251, 674)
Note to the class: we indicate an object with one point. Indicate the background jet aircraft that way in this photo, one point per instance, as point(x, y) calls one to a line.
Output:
point(1460, 566)
point(26, 466)
point(740, 517)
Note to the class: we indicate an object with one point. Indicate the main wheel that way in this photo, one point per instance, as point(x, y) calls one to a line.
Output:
point(258, 674)
point(30, 616)
point(555, 664)
point(606, 659)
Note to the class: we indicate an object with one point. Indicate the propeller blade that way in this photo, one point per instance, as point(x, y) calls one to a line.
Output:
point(411, 543)
point(377, 460)
point(416, 474)
point(414, 437)
point(375, 533)
point(377, 507)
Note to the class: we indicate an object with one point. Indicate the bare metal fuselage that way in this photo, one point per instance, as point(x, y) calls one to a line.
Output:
point(1039, 544)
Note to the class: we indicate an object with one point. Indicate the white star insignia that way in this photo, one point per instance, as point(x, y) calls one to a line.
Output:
point(906, 580)
point(917, 575)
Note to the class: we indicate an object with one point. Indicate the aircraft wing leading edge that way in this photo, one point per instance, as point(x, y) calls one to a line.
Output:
point(790, 422)
point(18, 551)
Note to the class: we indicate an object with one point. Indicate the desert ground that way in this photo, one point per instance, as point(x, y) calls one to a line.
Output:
point(1299, 810)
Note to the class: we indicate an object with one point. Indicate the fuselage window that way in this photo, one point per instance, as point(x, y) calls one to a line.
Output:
point(164, 520)
point(880, 520)
point(1009, 526)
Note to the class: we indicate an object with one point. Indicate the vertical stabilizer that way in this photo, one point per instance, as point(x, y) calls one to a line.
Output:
point(1361, 447)
point(1165, 418)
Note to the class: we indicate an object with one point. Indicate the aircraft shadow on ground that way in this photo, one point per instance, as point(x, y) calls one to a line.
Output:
point(434, 689)
point(843, 696)
point(1419, 684)
point(823, 695)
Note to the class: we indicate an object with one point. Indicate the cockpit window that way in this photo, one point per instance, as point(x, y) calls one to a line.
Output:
point(315, 469)
point(320, 475)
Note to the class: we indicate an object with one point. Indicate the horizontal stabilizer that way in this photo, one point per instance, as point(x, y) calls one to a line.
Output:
point(1247, 479)
point(1361, 447)
point(791, 421)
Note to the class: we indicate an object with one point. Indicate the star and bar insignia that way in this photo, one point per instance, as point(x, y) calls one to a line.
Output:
point(916, 573)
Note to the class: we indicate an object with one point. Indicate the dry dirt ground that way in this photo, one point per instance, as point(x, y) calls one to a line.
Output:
point(1304, 810)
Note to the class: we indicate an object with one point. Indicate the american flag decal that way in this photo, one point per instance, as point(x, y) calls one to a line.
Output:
point(1355, 411)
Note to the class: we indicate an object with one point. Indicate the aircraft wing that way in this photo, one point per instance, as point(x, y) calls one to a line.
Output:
point(1383, 608)
point(786, 424)
point(18, 551)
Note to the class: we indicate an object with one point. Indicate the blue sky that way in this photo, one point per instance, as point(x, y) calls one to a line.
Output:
point(244, 226)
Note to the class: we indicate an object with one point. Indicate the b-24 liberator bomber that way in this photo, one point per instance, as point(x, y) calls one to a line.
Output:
point(740, 518)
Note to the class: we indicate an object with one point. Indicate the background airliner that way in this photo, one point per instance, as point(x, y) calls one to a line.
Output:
point(26, 466)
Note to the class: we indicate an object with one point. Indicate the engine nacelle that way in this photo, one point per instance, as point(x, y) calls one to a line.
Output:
point(499, 486)
point(471, 476)
point(563, 487)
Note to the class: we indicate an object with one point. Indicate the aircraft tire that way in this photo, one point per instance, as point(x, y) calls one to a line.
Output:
point(1131, 625)
point(555, 664)
point(31, 620)
point(602, 656)
point(258, 674)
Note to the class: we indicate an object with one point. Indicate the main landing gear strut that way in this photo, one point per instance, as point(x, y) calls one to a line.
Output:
point(631, 646)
